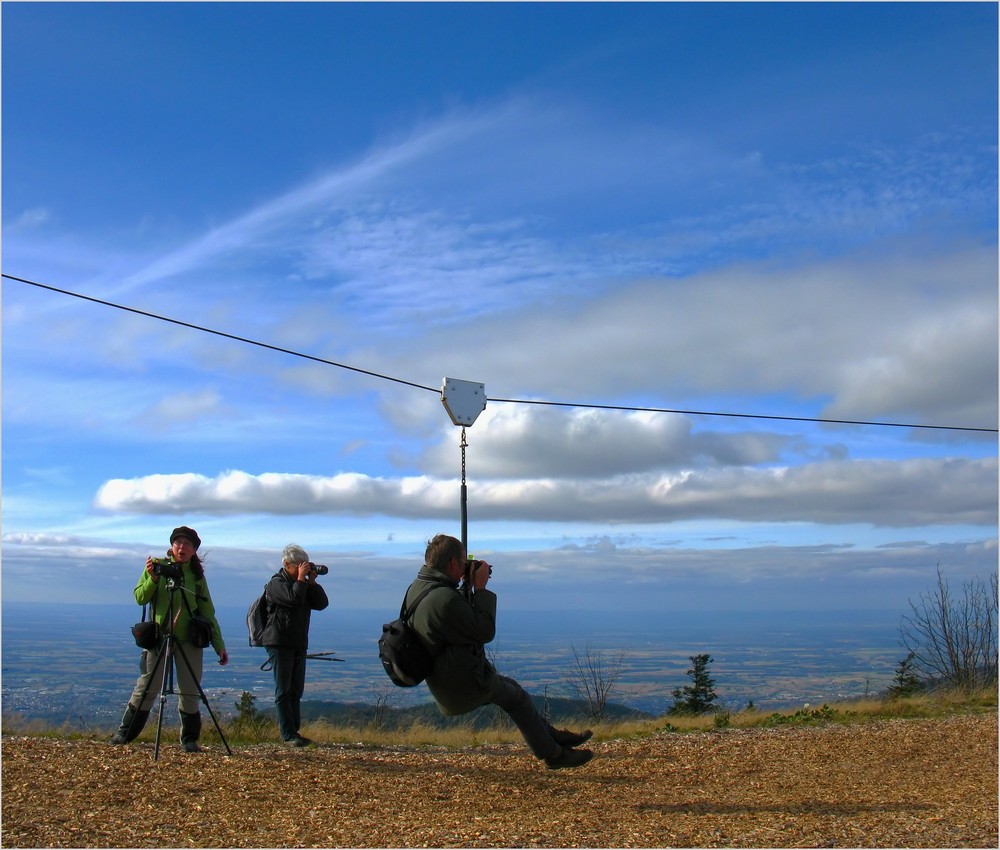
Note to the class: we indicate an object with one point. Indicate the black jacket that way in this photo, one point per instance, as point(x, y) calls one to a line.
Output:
point(291, 603)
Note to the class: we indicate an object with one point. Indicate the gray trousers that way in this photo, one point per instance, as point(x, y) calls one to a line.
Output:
point(535, 729)
point(185, 684)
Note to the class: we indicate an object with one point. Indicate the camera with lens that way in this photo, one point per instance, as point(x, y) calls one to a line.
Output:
point(167, 568)
point(319, 569)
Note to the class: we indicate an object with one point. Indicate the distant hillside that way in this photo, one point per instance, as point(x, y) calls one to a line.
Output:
point(559, 711)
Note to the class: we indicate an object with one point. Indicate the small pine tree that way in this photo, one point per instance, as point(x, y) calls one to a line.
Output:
point(906, 681)
point(245, 708)
point(698, 697)
point(250, 723)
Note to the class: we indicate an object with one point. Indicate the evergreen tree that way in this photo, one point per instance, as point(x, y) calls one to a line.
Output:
point(906, 681)
point(250, 723)
point(698, 697)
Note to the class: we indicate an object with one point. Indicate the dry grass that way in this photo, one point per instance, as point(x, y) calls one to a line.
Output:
point(458, 735)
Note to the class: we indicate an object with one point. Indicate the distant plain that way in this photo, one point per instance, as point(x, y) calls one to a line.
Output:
point(75, 664)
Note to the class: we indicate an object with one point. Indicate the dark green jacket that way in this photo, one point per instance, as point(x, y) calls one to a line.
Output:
point(455, 630)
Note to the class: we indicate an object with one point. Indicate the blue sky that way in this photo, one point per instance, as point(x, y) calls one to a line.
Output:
point(777, 210)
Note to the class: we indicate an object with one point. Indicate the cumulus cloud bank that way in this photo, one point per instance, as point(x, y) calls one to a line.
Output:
point(906, 493)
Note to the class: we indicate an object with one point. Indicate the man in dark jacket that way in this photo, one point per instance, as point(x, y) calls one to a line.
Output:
point(454, 626)
point(292, 595)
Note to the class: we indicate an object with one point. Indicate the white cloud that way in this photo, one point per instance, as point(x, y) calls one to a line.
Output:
point(182, 409)
point(521, 441)
point(907, 337)
point(32, 218)
point(598, 575)
point(880, 493)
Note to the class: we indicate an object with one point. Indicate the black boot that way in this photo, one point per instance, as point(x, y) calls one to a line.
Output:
point(565, 738)
point(133, 721)
point(190, 731)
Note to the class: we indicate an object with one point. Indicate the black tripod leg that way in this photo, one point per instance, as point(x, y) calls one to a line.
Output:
point(166, 687)
point(204, 699)
point(145, 691)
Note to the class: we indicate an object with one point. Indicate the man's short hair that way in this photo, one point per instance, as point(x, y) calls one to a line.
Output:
point(294, 554)
point(441, 549)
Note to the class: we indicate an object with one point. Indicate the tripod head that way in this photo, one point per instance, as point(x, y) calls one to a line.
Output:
point(174, 584)
point(169, 622)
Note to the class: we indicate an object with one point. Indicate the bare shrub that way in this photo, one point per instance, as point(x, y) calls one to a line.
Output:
point(593, 678)
point(953, 641)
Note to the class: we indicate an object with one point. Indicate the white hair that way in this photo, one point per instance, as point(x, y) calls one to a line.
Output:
point(294, 554)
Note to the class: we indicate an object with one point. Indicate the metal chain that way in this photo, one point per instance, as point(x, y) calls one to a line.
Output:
point(464, 446)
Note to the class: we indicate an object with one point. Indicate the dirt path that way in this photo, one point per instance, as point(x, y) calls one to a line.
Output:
point(901, 783)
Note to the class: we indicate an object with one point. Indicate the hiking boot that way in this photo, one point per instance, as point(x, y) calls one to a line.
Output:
point(569, 758)
point(565, 738)
point(132, 724)
point(297, 741)
point(190, 731)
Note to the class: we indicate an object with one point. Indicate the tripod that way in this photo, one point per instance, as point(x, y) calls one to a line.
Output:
point(170, 648)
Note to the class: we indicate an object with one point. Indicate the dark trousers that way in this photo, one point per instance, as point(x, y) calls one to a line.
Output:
point(535, 729)
point(289, 667)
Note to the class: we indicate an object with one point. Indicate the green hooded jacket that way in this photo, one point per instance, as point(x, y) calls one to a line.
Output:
point(201, 603)
point(455, 629)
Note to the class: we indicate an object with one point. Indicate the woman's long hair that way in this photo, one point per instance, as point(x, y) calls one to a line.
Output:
point(197, 567)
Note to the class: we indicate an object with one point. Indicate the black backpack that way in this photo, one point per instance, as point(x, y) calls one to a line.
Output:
point(403, 655)
point(258, 615)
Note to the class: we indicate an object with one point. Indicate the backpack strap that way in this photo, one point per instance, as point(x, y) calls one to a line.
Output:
point(404, 613)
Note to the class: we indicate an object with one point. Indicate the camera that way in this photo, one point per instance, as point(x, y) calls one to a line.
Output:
point(167, 568)
point(320, 569)
point(474, 564)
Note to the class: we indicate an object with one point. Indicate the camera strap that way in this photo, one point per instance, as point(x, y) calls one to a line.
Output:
point(187, 604)
point(152, 606)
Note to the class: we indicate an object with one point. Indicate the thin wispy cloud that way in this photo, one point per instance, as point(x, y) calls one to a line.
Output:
point(332, 192)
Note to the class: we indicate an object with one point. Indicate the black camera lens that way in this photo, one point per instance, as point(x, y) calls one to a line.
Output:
point(321, 569)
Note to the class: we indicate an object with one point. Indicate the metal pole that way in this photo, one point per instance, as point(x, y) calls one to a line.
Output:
point(465, 500)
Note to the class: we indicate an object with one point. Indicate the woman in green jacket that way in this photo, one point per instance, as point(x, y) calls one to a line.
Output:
point(454, 626)
point(175, 588)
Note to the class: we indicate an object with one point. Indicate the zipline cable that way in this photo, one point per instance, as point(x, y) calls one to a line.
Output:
point(540, 402)
point(747, 415)
point(217, 333)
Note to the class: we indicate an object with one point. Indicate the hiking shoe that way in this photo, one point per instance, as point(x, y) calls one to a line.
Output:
point(191, 746)
point(298, 741)
point(569, 758)
point(565, 738)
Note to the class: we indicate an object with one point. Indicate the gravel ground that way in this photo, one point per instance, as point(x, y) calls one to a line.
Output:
point(898, 783)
